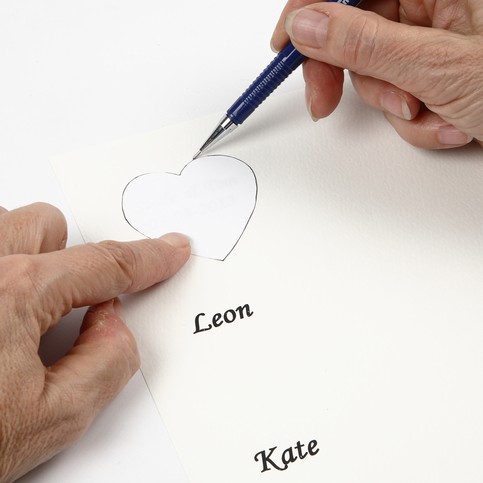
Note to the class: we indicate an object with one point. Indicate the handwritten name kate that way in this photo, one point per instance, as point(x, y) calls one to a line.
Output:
point(270, 460)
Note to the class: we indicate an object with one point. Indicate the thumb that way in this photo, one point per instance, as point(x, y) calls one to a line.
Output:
point(421, 60)
point(102, 361)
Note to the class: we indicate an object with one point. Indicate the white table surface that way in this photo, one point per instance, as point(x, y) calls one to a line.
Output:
point(75, 74)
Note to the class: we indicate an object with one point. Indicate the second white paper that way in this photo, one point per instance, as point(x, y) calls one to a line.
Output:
point(350, 328)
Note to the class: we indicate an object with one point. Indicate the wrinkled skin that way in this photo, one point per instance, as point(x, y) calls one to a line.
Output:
point(44, 409)
point(418, 61)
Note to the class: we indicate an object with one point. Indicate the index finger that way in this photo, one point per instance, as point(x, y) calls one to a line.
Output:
point(93, 273)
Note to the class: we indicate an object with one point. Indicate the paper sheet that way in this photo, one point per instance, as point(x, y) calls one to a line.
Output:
point(349, 316)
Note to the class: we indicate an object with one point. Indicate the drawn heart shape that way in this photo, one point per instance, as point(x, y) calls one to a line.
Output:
point(211, 201)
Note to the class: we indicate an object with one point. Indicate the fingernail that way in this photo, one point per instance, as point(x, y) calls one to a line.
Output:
point(118, 309)
point(307, 26)
point(451, 136)
point(176, 240)
point(274, 50)
point(308, 102)
point(395, 104)
point(112, 306)
point(104, 313)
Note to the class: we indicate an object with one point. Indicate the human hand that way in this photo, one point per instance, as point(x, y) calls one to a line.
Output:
point(418, 61)
point(44, 409)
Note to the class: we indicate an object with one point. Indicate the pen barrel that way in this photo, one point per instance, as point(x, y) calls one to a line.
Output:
point(273, 75)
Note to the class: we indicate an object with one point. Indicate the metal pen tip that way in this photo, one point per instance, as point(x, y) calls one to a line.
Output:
point(225, 127)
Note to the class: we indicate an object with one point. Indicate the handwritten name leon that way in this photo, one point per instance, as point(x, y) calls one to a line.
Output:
point(288, 456)
point(229, 316)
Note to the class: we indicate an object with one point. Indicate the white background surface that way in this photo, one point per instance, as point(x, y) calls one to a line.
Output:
point(76, 74)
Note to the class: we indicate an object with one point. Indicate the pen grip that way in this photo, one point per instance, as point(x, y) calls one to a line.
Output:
point(274, 74)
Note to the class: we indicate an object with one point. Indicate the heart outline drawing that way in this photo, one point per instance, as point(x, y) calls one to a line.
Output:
point(211, 200)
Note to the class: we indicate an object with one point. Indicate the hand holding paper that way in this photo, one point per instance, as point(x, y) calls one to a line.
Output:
point(45, 409)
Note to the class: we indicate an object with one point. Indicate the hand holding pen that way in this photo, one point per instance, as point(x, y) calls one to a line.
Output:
point(423, 70)
point(287, 60)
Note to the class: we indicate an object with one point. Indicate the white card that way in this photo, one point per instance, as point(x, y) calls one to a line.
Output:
point(340, 340)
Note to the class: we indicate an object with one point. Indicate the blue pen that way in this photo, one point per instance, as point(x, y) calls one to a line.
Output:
point(275, 73)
